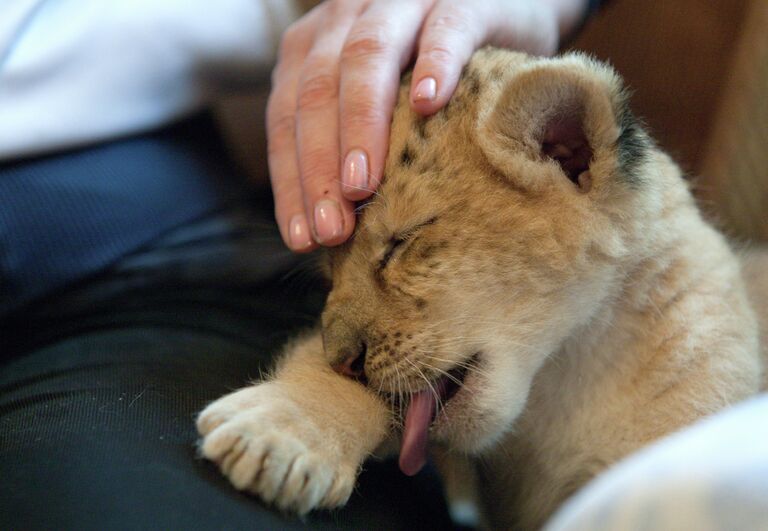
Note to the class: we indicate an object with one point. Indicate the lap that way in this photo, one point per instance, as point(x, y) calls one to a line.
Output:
point(99, 385)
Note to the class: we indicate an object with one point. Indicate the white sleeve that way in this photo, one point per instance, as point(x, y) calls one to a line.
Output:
point(712, 476)
point(74, 72)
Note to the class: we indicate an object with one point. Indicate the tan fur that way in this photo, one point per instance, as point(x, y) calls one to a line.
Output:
point(602, 316)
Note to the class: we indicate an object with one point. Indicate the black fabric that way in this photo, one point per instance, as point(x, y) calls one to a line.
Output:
point(100, 382)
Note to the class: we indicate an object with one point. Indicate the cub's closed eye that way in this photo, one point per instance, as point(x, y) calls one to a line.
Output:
point(394, 243)
point(397, 241)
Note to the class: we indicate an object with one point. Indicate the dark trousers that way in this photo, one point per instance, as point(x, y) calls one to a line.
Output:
point(100, 382)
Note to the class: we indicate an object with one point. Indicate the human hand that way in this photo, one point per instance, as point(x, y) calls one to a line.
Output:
point(336, 81)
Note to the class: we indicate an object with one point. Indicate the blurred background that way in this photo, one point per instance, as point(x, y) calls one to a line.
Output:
point(699, 72)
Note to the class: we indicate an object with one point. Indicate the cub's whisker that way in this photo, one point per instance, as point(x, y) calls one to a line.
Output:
point(428, 382)
point(442, 373)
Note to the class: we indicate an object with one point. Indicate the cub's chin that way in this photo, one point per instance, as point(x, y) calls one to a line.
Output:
point(478, 413)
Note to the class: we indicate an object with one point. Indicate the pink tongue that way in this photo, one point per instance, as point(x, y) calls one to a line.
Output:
point(413, 452)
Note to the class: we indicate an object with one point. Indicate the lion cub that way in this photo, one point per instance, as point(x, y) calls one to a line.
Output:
point(532, 283)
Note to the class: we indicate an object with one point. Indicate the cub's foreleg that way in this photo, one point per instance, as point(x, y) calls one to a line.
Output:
point(298, 439)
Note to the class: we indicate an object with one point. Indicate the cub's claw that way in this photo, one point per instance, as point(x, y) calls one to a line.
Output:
point(266, 447)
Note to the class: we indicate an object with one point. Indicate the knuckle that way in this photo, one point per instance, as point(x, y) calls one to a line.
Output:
point(365, 44)
point(317, 90)
point(281, 132)
point(279, 114)
point(453, 23)
point(365, 114)
point(438, 53)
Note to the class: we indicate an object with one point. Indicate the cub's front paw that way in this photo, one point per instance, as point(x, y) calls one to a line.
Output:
point(268, 446)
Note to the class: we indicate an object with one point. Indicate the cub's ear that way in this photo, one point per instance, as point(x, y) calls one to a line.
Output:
point(565, 117)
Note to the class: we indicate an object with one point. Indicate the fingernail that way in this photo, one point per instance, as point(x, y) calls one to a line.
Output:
point(298, 232)
point(426, 90)
point(355, 172)
point(328, 221)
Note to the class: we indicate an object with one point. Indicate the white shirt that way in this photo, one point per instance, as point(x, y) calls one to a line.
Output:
point(73, 72)
point(712, 476)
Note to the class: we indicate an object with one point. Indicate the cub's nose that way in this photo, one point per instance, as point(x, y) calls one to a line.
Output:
point(353, 364)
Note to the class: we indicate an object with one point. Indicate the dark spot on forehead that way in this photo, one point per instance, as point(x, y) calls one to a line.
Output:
point(426, 252)
point(474, 86)
point(407, 156)
point(471, 80)
point(421, 303)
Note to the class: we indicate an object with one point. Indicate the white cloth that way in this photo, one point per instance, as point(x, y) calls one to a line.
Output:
point(712, 476)
point(74, 72)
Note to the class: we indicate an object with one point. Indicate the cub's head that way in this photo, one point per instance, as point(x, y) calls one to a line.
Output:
point(504, 224)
